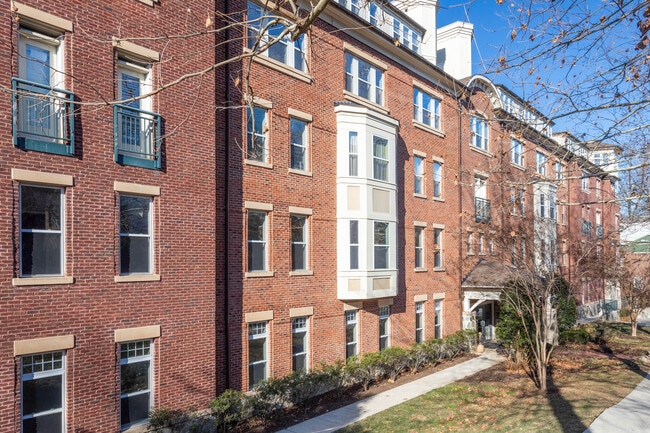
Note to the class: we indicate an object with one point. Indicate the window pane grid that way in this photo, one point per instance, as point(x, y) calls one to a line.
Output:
point(363, 79)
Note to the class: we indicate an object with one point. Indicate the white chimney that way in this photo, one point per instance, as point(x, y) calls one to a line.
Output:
point(454, 54)
point(425, 14)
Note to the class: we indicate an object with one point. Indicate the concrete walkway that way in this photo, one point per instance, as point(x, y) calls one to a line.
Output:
point(631, 415)
point(337, 419)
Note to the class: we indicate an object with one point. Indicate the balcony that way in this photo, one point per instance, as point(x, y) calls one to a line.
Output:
point(137, 137)
point(482, 210)
point(43, 117)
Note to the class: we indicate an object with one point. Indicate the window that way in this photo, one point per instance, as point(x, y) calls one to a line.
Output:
point(257, 353)
point(418, 169)
point(350, 334)
point(135, 382)
point(419, 322)
point(470, 243)
point(513, 253)
point(426, 108)
point(257, 134)
point(136, 255)
point(437, 248)
point(437, 179)
point(41, 231)
point(438, 318)
point(257, 238)
point(379, 158)
point(559, 171)
point(353, 152)
point(491, 245)
point(522, 250)
point(299, 238)
point(364, 79)
point(381, 245)
point(598, 188)
point(299, 343)
point(585, 182)
point(299, 144)
point(42, 392)
point(541, 163)
point(551, 206)
point(517, 152)
point(137, 137)
point(283, 49)
point(384, 331)
point(481, 246)
point(479, 133)
point(419, 247)
point(522, 202)
point(542, 205)
point(43, 116)
point(354, 244)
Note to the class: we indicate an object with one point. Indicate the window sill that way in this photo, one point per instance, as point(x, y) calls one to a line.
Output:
point(425, 127)
point(258, 274)
point(300, 172)
point(280, 67)
point(479, 150)
point(439, 269)
point(41, 281)
point(136, 278)
point(365, 102)
point(517, 166)
point(420, 270)
point(415, 194)
point(440, 199)
point(301, 273)
point(258, 163)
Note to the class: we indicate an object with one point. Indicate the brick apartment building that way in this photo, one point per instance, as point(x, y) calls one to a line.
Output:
point(365, 191)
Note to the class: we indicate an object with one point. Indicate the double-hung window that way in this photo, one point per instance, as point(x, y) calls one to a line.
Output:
point(257, 353)
point(257, 239)
point(438, 318)
point(135, 382)
point(136, 255)
point(479, 132)
point(517, 152)
point(351, 334)
point(353, 154)
point(43, 111)
point(426, 108)
point(137, 129)
point(559, 171)
point(380, 160)
point(381, 245)
point(299, 343)
point(41, 231)
point(299, 144)
point(541, 163)
point(419, 322)
point(585, 182)
point(364, 79)
point(257, 134)
point(384, 327)
point(419, 247)
point(268, 34)
point(354, 244)
point(299, 242)
point(542, 205)
point(418, 169)
point(437, 248)
point(437, 179)
point(42, 378)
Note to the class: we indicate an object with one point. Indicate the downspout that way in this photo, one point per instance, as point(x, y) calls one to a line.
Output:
point(460, 209)
point(226, 291)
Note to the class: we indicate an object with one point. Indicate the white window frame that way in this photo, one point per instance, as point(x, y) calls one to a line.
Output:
point(426, 108)
point(60, 232)
point(254, 134)
point(142, 354)
point(418, 173)
point(419, 247)
point(384, 321)
point(380, 158)
point(438, 318)
point(374, 81)
point(383, 248)
point(479, 132)
point(285, 50)
point(354, 244)
point(263, 242)
point(300, 325)
point(299, 144)
point(437, 248)
point(470, 243)
point(148, 235)
point(517, 152)
point(302, 243)
point(585, 182)
point(419, 322)
point(559, 171)
point(540, 163)
point(437, 179)
point(541, 210)
point(50, 367)
point(353, 154)
point(258, 331)
point(598, 187)
point(351, 329)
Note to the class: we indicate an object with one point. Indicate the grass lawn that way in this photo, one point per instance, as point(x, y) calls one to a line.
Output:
point(583, 381)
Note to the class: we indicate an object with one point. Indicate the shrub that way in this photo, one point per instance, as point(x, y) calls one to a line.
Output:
point(418, 356)
point(365, 369)
point(228, 410)
point(162, 418)
point(578, 335)
point(396, 361)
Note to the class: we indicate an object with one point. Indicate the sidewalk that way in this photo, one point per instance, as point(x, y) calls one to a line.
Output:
point(630, 415)
point(337, 419)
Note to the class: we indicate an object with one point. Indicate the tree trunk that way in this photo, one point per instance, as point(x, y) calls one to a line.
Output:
point(634, 326)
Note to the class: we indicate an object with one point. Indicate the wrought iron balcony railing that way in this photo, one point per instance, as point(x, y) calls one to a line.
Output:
point(482, 210)
point(137, 136)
